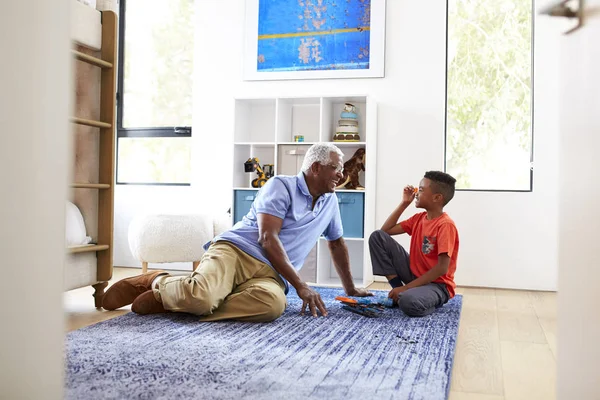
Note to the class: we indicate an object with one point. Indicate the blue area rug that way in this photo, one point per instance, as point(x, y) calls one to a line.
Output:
point(343, 356)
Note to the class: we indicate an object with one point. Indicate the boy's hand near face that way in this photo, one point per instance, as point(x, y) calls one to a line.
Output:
point(409, 194)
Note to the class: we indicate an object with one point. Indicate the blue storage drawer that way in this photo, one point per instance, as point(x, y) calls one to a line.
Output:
point(242, 200)
point(352, 209)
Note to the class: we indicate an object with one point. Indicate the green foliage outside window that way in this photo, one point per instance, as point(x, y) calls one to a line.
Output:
point(489, 103)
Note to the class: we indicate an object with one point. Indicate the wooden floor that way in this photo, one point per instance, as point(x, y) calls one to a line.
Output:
point(506, 347)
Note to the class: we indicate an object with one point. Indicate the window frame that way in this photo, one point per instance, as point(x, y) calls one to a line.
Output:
point(148, 132)
point(531, 155)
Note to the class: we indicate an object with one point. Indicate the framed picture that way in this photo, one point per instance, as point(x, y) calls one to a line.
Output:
point(314, 39)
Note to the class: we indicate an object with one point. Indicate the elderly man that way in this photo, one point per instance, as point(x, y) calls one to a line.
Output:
point(245, 271)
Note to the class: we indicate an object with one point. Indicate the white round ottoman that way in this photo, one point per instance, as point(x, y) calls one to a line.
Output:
point(173, 238)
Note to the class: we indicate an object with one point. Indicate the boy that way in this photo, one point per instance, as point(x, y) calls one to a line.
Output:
point(425, 280)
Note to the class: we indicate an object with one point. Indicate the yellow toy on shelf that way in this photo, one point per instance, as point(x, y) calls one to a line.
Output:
point(264, 173)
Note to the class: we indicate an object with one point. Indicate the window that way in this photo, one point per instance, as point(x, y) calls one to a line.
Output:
point(154, 115)
point(489, 94)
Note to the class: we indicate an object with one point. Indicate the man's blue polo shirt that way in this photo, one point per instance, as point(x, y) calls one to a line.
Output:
point(288, 198)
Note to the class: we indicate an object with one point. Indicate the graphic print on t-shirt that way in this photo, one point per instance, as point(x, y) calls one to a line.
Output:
point(428, 244)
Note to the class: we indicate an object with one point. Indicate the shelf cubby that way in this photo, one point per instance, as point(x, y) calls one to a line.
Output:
point(254, 120)
point(332, 107)
point(326, 272)
point(298, 116)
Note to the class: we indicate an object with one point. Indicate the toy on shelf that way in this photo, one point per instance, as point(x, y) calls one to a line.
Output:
point(264, 173)
point(368, 307)
point(347, 129)
point(352, 168)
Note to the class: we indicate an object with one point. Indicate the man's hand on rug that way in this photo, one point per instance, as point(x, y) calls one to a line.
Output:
point(397, 292)
point(359, 292)
point(311, 299)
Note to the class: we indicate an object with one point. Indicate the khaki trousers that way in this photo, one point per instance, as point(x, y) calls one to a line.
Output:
point(228, 284)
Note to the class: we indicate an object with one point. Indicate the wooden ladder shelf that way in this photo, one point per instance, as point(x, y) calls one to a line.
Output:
point(106, 157)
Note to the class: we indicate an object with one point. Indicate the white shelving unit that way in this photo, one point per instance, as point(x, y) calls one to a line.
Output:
point(265, 128)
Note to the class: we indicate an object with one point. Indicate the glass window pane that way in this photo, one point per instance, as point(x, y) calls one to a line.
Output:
point(159, 38)
point(488, 131)
point(154, 160)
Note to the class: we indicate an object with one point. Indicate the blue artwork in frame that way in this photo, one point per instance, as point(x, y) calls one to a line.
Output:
point(300, 35)
point(304, 39)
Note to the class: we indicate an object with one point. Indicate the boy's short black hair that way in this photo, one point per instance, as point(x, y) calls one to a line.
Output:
point(442, 183)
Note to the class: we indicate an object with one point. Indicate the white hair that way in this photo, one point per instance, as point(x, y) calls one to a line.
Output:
point(321, 153)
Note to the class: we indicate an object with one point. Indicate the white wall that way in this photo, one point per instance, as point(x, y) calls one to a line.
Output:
point(34, 157)
point(508, 240)
point(578, 358)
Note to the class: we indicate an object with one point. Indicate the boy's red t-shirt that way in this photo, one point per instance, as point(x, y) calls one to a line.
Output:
point(429, 238)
